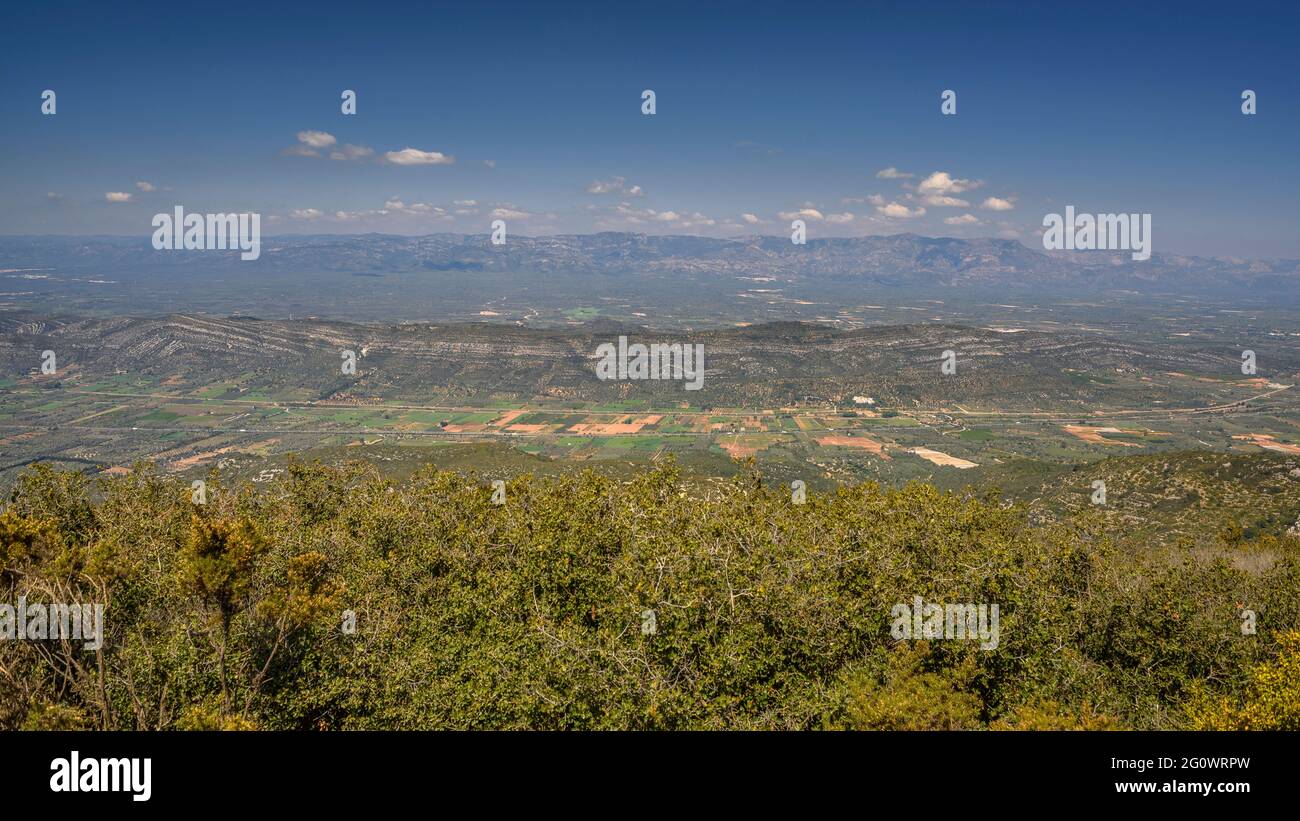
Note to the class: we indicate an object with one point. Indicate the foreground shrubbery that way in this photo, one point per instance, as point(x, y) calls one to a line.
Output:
point(529, 614)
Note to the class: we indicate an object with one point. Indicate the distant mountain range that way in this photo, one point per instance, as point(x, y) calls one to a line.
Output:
point(897, 260)
point(765, 366)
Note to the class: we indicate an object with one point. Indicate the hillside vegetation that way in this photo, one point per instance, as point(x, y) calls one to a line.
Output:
point(533, 613)
point(1166, 497)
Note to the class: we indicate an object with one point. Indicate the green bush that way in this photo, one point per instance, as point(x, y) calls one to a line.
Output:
point(533, 614)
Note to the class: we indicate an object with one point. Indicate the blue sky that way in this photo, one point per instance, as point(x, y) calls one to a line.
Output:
point(763, 109)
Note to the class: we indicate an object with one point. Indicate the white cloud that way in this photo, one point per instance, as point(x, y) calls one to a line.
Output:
point(997, 204)
point(964, 219)
point(750, 218)
point(348, 151)
point(617, 185)
point(393, 208)
point(117, 196)
point(897, 210)
point(941, 182)
point(414, 156)
point(490, 163)
point(509, 212)
point(310, 141)
point(316, 139)
point(892, 173)
point(396, 205)
point(946, 202)
point(466, 203)
point(686, 219)
point(146, 187)
point(627, 214)
point(802, 213)
point(840, 219)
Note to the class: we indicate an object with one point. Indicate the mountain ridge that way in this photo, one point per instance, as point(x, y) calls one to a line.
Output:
point(905, 259)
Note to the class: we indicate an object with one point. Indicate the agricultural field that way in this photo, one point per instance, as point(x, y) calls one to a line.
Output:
point(108, 416)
